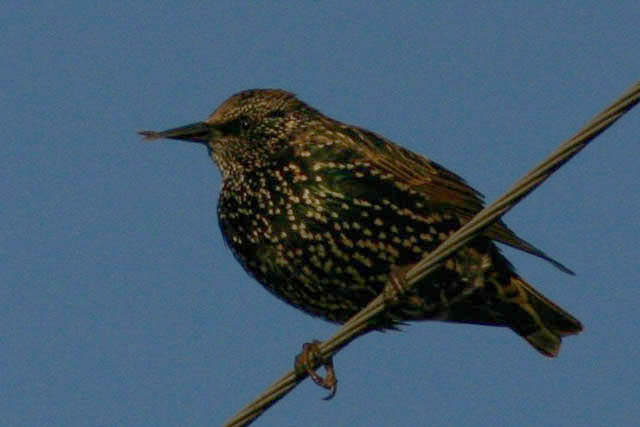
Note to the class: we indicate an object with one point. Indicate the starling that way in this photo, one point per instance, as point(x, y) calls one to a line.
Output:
point(321, 212)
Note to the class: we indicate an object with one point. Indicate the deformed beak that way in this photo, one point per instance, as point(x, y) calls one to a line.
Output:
point(200, 132)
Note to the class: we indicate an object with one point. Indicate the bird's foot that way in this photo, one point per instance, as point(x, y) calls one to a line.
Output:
point(307, 361)
point(397, 284)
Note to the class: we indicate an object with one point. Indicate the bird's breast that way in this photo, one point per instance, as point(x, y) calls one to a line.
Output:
point(323, 235)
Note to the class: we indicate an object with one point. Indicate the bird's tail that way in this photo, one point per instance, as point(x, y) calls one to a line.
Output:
point(536, 318)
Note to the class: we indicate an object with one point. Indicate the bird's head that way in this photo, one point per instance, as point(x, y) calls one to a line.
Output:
point(253, 115)
point(246, 124)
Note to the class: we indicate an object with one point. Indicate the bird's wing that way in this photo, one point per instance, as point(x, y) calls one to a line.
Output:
point(438, 184)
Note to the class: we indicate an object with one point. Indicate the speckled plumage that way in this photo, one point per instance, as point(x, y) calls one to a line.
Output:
point(319, 212)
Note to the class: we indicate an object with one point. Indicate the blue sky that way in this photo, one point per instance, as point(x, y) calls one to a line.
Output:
point(120, 304)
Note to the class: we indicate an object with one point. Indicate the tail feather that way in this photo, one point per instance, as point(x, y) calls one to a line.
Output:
point(545, 341)
point(551, 322)
point(514, 303)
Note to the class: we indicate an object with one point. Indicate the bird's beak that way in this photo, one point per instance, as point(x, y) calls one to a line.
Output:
point(200, 132)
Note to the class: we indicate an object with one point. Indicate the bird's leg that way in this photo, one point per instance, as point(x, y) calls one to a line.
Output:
point(311, 357)
point(397, 284)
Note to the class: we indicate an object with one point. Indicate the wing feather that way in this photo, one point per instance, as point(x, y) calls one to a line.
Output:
point(438, 184)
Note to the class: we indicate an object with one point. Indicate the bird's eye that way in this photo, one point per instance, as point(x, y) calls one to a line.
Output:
point(236, 125)
point(276, 114)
